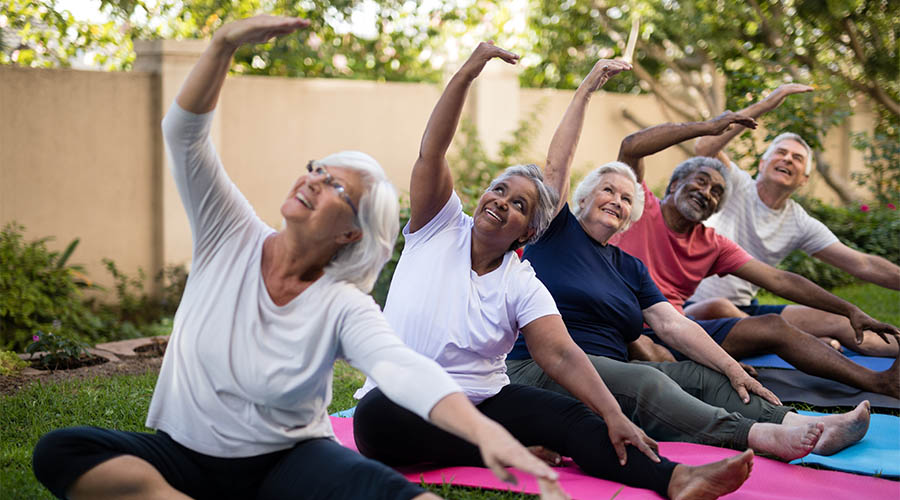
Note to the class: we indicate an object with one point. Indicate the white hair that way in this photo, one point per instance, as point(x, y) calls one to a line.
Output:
point(585, 191)
point(790, 136)
point(547, 198)
point(360, 262)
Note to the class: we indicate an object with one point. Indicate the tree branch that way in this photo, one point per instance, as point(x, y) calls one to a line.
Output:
point(825, 170)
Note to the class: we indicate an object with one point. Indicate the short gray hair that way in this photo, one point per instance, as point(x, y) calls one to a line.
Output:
point(585, 191)
point(790, 136)
point(691, 165)
point(547, 199)
point(379, 219)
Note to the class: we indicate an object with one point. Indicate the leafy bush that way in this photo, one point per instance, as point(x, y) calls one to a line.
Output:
point(10, 363)
point(882, 173)
point(61, 351)
point(869, 229)
point(38, 287)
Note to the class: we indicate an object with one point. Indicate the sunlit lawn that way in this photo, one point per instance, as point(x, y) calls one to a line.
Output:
point(121, 402)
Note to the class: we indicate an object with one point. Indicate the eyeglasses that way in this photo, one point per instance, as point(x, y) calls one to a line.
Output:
point(329, 180)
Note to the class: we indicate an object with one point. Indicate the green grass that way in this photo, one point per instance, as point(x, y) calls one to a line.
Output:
point(121, 402)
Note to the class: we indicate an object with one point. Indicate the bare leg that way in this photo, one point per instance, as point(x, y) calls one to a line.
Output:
point(787, 442)
point(841, 430)
point(714, 308)
point(427, 496)
point(123, 477)
point(711, 480)
point(771, 333)
point(825, 324)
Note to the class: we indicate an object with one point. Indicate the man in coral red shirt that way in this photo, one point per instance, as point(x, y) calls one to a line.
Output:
point(680, 251)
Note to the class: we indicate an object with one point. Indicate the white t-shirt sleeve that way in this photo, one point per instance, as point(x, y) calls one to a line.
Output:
point(451, 213)
point(214, 205)
point(738, 177)
point(534, 300)
point(816, 235)
point(407, 378)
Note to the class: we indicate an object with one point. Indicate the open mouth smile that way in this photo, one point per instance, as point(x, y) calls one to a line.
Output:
point(493, 214)
point(612, 212)
point(302, 199)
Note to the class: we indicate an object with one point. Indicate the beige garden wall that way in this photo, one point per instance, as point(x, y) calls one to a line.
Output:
point(81, 153)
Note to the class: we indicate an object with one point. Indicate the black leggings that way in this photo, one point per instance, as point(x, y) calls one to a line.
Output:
point(316, 468)
point(391, 434)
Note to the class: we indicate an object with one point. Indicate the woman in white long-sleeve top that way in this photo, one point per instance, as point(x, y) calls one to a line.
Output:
point(240, 404)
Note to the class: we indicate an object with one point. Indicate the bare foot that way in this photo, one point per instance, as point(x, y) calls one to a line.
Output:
point(841, 430)
point(833, 343)
point(711, 480)
point(787, 442)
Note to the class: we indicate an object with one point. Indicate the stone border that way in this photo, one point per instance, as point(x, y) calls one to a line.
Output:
point(110, 351)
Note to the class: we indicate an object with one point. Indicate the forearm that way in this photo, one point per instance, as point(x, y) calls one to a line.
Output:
point(200, 90)
point(655, 139)
point(564, 143)
point(877, 270)
point(710, 145)
point(457, 415)
point(445, 117)
point(690, 338)
point(803, 291)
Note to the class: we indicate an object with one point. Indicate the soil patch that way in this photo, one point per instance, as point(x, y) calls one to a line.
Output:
point(133, 365)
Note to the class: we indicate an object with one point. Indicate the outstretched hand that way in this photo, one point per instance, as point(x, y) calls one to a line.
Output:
point(258, 29)
point(624, 432)
point(862, 322)
point(484, 52)
point(744, 384)
point(723, 122)
point(602, 71)
point(778, 95)
point(499, 450)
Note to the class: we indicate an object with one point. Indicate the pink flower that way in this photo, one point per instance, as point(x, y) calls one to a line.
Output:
point(35, 338)
point(864, 208)
point(892, 206)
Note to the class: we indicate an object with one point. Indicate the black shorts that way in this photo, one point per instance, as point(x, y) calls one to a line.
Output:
point(315, 468)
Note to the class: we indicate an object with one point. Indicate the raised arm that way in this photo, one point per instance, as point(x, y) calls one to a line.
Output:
point(565, 139)
point(799, 289)
point(711, 145)
point(200, 91)
point(654, 139)
point(562, 360)
point(431, 182)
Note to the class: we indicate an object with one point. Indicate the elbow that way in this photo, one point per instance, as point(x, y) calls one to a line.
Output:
point(626, 149)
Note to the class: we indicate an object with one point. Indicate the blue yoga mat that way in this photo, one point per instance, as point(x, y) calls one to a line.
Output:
point(878, 453)
point(348, 413)
point(773, 361)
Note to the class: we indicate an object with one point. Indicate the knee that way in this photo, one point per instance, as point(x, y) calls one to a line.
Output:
point(721, 308)
point(51, 454)
point(773, 328)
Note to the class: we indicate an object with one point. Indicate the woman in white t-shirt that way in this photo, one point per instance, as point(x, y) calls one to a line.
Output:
point(460, 295)
point(240, 403)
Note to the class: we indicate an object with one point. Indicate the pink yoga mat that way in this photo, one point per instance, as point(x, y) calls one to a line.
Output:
point(770, 479)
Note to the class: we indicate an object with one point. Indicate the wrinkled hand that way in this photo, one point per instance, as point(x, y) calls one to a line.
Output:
point(724, 122)
point(778, 95)
point(499, 450)
point(258, 29)
point(862, 322)
point(603, 70)
point(623, 432)
point(484, 52)
point(744, 384)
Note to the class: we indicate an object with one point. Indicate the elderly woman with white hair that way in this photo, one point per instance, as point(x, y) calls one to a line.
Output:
point(240, 406)
point(605, 295)
point(460, 295)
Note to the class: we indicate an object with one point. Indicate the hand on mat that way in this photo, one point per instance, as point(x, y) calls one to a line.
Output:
point(623, 432)
point(862, 322)
point(484, 53)
point(258, 29)
point(744, 384)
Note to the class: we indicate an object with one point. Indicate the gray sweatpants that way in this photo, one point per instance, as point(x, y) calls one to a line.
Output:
point(682, 401)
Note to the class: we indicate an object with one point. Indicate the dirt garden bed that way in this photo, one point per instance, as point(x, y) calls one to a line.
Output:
point(127, 357)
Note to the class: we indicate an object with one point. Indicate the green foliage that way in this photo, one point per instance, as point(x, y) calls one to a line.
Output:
point(38, 288)
point(61, 351)
point(882, 175)
point(869, 229)
point(10, 363)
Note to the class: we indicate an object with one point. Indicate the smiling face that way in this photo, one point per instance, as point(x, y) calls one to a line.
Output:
point(609, 207)
point(697, 196)
point(319, 207)
point(786, 165)
point(505, 210)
